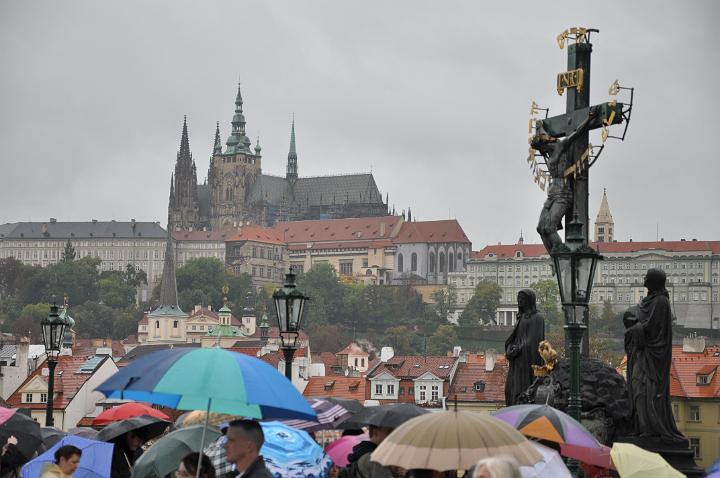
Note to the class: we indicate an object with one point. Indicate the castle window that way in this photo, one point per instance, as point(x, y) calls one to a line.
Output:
point(413, 262)
point(442, 262)
point(432, 262)
point(400, 262)
point(157, 324)
point(175, 324)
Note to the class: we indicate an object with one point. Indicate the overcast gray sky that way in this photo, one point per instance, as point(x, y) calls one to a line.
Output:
point(432, 96)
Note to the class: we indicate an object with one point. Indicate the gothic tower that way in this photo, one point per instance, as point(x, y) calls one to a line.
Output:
point(232, 174)
point(292, 172)
point(604, 223)
point(183, 207)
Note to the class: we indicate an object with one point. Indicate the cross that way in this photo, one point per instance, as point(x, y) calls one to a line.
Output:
point(568, 159)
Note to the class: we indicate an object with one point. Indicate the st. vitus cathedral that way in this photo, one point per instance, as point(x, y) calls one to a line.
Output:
point(237, 192)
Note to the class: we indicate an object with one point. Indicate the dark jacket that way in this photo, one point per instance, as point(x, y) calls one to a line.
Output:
point(364, 468)
point(256, 470)
point(123, 460)
point(362, 448)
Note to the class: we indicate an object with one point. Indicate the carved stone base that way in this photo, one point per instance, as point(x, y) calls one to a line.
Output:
point(679, 456)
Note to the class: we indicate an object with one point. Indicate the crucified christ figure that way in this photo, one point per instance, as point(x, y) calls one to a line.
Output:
point(557, 157)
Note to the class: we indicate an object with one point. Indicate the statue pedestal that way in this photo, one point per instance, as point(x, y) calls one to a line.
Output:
point(677, 455)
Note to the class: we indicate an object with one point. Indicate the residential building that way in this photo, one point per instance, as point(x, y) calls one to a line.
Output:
point(422, 380)
point(353, 358)
point(115, 243)
point(695, 392)
point(196, 244)
point(360, 249)
point(479, 383)
point(17, 361)
point(76, 378)
point(692, 267)
point(427, 251)
point(260, 252)
point(237, 192)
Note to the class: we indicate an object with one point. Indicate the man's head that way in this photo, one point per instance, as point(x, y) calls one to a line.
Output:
point(133, 441)
point(655, 280)
point(378, 434)
point(68, 458)
point(244, 440)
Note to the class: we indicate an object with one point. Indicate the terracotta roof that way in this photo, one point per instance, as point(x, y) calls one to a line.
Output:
point(341, 245)
point(333, 230)
point(144, 349)
point(265, 235)
point(353, 348)
point(448, 230)
point(336, 386)
point(67, 380)
point(538, 250)
point(220, 236)
point(274, 358)
point(252, 351)
point(413, 366)
point(687, 366)
point(468, 374)
point(85, 347)
point(328, 359)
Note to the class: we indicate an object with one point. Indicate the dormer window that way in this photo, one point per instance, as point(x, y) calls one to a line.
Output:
point(703, 379)
point(479, 386)
point(705, 375)
point(329, 385)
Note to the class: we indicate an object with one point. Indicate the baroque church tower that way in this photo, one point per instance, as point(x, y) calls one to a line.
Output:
point(183, 207)
point(604, 223)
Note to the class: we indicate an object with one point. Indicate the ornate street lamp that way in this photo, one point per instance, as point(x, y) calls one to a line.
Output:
point(53, 330)
point(575, 264)
point(289, 306)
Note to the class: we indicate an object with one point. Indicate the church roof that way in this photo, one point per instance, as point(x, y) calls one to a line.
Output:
point(431, 232)
point(333, 230)
point(317, 190)
point(501, 251)
point(168, 287)
point(604, 215)
point(266, 235)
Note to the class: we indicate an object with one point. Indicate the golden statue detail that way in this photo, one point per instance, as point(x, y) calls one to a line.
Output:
point(549, 356)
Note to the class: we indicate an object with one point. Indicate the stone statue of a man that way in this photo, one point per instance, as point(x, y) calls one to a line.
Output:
point(521, 348)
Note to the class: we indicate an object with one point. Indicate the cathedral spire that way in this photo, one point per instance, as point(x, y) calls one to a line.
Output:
point(604, 223)
point(184, 152)
point(172, 189)
point(237, 142)
point(168, 286)
point(292, 174)
point(217, 148)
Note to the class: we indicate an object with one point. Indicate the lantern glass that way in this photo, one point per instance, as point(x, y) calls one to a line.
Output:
point(281, 309)
point(563, 269)
point(575, 314)
point(53, 330)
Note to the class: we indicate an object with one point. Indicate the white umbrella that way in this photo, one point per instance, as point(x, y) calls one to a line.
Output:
point(551, 466)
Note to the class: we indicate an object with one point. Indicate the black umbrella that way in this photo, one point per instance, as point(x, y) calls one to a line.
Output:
point(349, 404)
point(391, 415)
point(50, 436)
point(25, 429)
point(144, 426)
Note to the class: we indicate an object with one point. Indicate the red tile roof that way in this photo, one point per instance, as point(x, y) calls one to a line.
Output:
point(265, 235)
point(537, 250)
point(252, 351)
point(328, 359)
point(687, 366)
point(336, 386)
point(448, 230)
point(353, 349)
point(468, 374)
point(67, 381)
point(334, 230)
point(412, 366)
point(341, 245)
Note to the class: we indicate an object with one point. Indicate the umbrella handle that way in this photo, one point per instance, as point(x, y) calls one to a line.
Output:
point(202, 440)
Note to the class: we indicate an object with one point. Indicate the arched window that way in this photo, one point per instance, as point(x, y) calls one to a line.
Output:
point(432, 262)
point(442, 262)
point(400, 263)
point(157, 324)
point(413, 262)
point(451, 262)
point(175, 324)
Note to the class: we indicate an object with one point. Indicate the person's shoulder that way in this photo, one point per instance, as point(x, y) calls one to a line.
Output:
point(258, 470)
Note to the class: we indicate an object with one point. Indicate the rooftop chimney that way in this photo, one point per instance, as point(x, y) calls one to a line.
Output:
point(53, 220)
point(694, 344)
point(490, 357)
point(386, 353)
point(456, 351)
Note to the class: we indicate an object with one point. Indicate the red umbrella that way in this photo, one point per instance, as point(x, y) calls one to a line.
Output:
point(127, 410)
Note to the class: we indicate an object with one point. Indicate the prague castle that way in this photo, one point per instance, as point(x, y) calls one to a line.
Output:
point(237, 192)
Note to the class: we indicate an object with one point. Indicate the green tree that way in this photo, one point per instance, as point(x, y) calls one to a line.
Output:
point(547, 295)
point(400, 338)
point(443, 340)
point(68, 254)
point(125, 322)
point(134, 277)
point(445, 302)
point(94, 320)
point(28, 321)
point(78, 279)
point(114, 291)
point(326, 294)
point(11, 275)
point(482, 305)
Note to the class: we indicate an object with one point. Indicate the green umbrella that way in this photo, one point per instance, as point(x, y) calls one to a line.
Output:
point(164, 456)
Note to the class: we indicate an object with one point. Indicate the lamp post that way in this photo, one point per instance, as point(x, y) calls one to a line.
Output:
point(53, 330)
point(289, 306)
point(575, 264)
